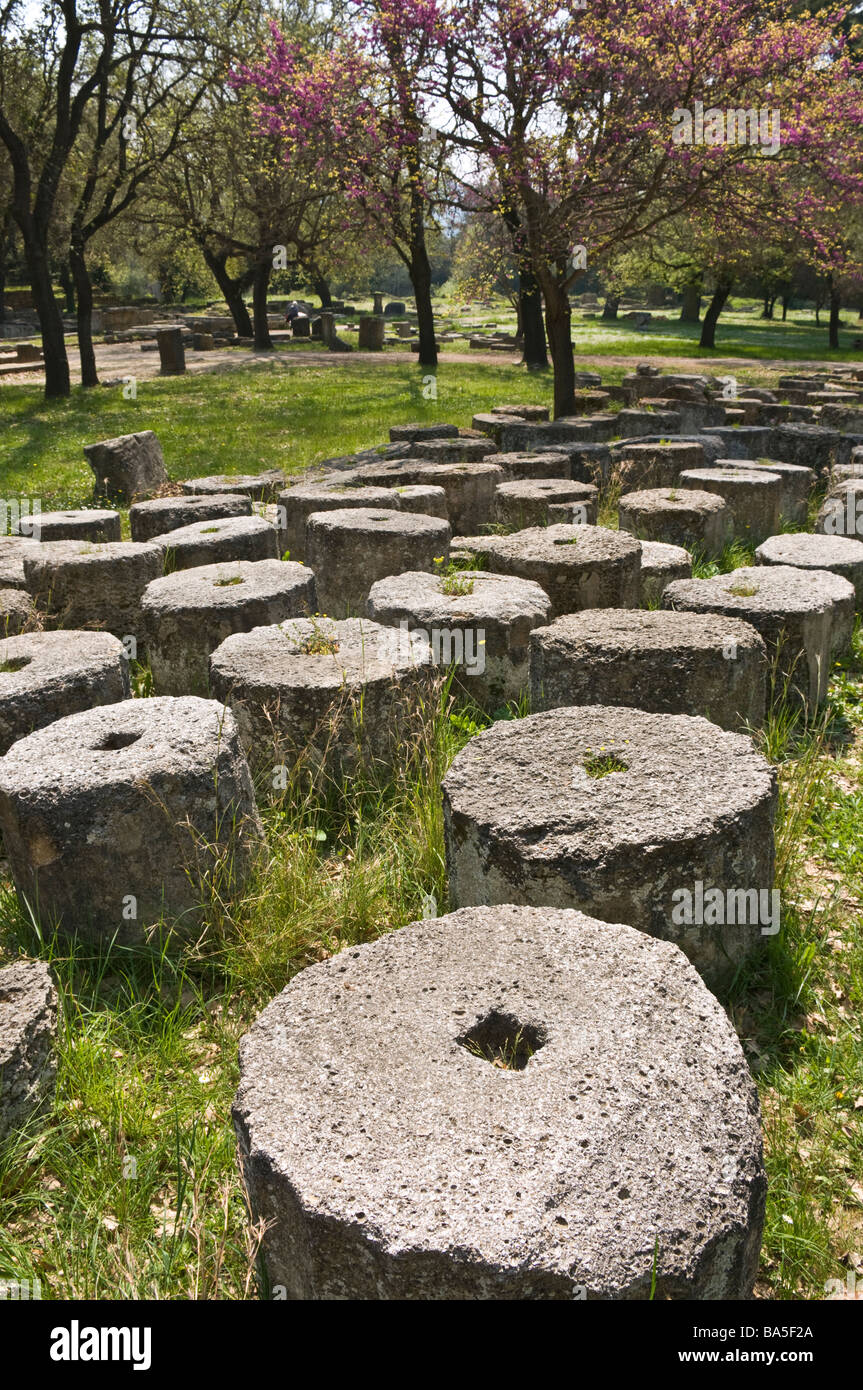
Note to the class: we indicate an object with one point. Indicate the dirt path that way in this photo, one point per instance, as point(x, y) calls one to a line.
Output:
point(118, 361)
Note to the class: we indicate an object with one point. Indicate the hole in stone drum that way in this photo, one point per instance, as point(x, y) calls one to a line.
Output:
point(15, 663)
point(111, 743)
point(503, 1041)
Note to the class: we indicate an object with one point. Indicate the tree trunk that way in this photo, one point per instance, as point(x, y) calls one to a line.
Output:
point(5, 232)
point(765, 312)
point(57, 381)
point(558, 323)
point(531, 328)
point(65, 277)
point(610, 307)
point(786, 301)
point(833, 331)
point(818, 313)
point(84, 288)
point(232, 290)
point(260, 285)
point(714, 309)
point(690, 309)
point(321, 287)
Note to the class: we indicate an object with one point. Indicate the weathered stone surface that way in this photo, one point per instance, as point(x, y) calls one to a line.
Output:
point(28, 1033)
point(263, 487)
point(127, 468)
point(349, 550)
point(317, 692)
point(809, 446)
point(798, 612)
point(410, 434)
point(529, 412)
point(653, 465)
point(660, 564)
point(82, 584)
point(297, 504)
point(665, 662)
point(522, 504)
point(83, 525)
point(840, 514)
point(392, 1171)
point(217, 541)
point(189, 614)
point(172, 354)
point(12, 552)
point(425, 498)
point(753, 497)
point(46, 675)
point(526, 822)
point(840, 554)
point(17, 612)
point(796, 485)
point(577, 566)
point(371, 334)
point(485, 630)
point(687, 517)
point(163, 514)
point(469, 487)
point(531, 467)
point(114, 818)
point(744, 441)
point(459, 450)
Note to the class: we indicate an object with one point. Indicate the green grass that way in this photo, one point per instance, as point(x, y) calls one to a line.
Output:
point(240, 421)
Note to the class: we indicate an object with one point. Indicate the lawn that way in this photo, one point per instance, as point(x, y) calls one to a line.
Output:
point(129, 1187)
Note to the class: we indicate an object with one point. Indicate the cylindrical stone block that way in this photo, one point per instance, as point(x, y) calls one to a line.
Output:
point(116, 818)
point(799, 613)
point(262, 487)
point(349, 551)
point(619, 813)
point(519, 505)
point(574, 1118)
point(28, 1036)
point(12, 552)
point(85, 525)
point(316, 692)
point(641, 466)
point(296, 505)
point(577, 566)
point(687, 517)
point(660, 564)
point(163, 514)
point(189, 614)
point(664, 662)
point(425, 498)
point(796, 483)
point(532, 467)
point(46, 675)
point(839, 554)
point(840, 514)
point(219, 540)
point(481, 622)
point(753, 497)
point(172, 354)
point(85, 585)
point(461, 450)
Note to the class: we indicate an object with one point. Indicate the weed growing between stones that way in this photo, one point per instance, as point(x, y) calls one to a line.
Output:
point(603, 764)
point(452, 582)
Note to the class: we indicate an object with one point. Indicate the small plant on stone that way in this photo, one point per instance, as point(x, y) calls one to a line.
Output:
point(223, 583)
point(602, 764)
point(741, 590)
point(318, 642)
point(452, 582)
